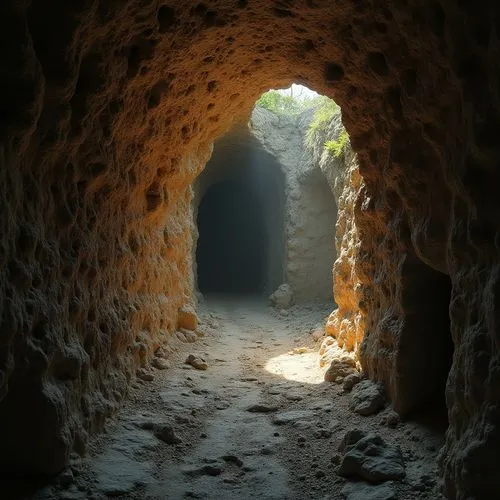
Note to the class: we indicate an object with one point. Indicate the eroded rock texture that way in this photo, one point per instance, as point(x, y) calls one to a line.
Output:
point(311, 209)
point(108, 109)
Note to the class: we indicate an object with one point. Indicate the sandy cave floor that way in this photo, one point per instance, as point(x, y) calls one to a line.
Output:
point(226, 451)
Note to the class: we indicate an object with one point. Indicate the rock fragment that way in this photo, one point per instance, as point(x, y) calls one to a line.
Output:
point(233, 459)
point(189, 336)
point(187, 318)
point(196, 362)
point(340, 367)
point(160, 363)
point(351, 380)
point(291, 416)
point(142, 374)
point(390, 419)
point(367, 456)
point(260, 408)
point(282, 298)
point(367, 398)
point(167, 434)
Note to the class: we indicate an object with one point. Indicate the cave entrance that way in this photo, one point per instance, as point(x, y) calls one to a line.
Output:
point(425, 351)
point(231, 253)
point(265, 206)
point(239, 204)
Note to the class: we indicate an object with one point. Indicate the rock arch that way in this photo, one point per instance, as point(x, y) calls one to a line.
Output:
point(108, 110)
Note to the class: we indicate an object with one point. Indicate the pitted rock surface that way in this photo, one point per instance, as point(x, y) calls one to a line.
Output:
point(108, 113)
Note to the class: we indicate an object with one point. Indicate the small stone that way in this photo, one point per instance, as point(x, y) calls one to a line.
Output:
point(318, 333)
point(142, 374)
point(320, 473)
point(259, 408)
point(351, 380)
point(301, 350)
point(233, 459)
point(160, 363)
point(390, 419)
point(282, 298)
point(196, 362)
point(189, 335)
point(166, 434)
point(367, 398)
point(293, 417)
point(187, 318)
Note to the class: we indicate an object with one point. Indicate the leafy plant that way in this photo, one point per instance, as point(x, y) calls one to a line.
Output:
point(279, 103)
point(325, 110)
point(337, 148)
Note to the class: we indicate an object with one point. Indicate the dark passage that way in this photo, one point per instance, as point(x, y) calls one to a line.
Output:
point(232, 240)
point(240, 218)
point(426, 349)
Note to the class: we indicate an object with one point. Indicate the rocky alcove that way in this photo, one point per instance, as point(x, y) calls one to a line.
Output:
point(108, 113)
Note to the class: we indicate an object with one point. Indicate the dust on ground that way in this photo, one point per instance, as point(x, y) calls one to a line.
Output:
point(260, 422)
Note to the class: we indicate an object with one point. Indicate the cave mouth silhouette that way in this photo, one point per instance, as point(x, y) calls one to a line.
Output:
point(239, 210)
point(231, 255)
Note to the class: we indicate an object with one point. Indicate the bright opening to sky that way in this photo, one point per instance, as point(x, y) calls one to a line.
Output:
point(299, 92)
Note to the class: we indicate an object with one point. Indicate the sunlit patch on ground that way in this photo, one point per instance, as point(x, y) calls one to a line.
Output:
point(299, 365)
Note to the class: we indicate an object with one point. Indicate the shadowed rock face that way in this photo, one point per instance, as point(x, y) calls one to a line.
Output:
point(108, 110)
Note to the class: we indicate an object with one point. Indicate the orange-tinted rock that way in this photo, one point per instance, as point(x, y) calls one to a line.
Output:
point(187, 318)
point(107, 115)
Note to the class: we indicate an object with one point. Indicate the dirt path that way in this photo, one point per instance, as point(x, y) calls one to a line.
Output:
point(258, 423)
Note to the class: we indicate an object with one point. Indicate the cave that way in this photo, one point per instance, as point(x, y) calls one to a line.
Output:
point(230, 252)
point(240, 212)
point(109, 112)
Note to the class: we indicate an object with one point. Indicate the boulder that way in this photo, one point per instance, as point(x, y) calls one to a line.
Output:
point(282, 298)
point(367, 456)
point(340, 367)
point(367, 397)
point(187, 318)
point(351, 380)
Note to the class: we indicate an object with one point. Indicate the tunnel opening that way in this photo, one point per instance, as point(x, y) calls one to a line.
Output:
point(89, 179)
point(426, 349)
point(231, 254)
point(239, 209)
point(265, 207)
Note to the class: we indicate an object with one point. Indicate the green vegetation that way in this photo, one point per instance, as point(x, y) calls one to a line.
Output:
point(325, 110)
point(281, 104)
point(338, 148)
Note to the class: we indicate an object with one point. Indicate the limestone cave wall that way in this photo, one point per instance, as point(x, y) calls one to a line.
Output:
point(311, 209)
point(108, 110)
